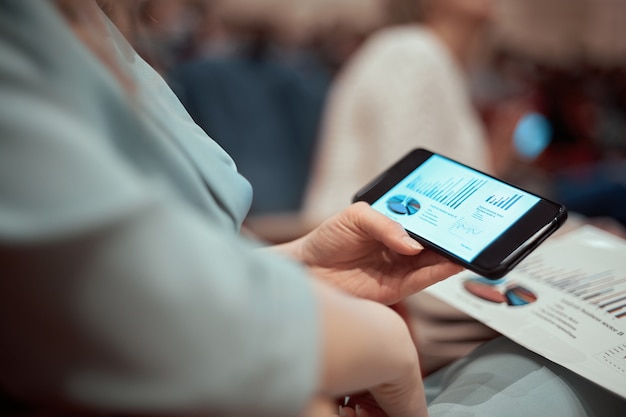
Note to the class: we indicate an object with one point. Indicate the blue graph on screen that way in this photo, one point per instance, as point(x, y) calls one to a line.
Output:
point(504, 203)
point(451, 192)
point(464, 228)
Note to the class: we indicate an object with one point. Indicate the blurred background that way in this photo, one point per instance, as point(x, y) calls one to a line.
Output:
point(255, 74)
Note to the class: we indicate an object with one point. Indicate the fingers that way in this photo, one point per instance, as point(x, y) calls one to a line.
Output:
point(431, 258)
point(429, 269)
point(319, 407)
point(438, 272)
point(358, 411)
point(345, 411)
point(442, 271)
point(384, 229)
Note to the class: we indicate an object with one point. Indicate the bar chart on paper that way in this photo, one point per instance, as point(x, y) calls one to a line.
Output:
point(615, 358)
point(451, 192)
point(604, 289)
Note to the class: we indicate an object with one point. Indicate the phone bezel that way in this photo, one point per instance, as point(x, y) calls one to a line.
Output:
point(504, 253)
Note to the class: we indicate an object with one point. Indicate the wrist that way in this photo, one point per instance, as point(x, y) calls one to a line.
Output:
point(366, 344)
point(403, 396)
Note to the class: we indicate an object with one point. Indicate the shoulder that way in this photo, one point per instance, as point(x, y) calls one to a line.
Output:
point(407, 49)
point(402, 37)
point(413, 40)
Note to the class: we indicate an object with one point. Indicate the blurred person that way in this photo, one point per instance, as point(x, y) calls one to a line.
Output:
point(126, 288)
point(406, 88)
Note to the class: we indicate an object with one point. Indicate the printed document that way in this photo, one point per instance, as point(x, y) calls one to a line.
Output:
point(566, 301)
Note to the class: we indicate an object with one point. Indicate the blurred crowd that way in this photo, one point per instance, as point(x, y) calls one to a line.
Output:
point(169, 32)
point(561, 61)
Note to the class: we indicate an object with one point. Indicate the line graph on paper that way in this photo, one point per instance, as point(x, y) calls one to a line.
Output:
point(615, 358)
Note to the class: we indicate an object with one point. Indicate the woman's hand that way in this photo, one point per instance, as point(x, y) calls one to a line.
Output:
point(368, 255)
point(367, 348)
point(361, 405)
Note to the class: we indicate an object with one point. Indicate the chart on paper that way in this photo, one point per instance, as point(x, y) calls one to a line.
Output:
point(615, 358)
point(604, 289)
point(566, 301)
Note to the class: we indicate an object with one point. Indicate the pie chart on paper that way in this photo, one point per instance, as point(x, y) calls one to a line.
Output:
point(513, 295)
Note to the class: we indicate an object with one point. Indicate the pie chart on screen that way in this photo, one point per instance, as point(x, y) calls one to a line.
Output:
point(401, 204)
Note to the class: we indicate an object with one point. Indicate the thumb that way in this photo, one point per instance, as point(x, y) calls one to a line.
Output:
point(384, 229)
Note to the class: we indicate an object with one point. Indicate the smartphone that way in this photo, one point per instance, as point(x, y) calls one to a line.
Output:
point(474, 219)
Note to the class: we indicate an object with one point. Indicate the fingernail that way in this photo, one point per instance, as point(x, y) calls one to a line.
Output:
point(412, 243)
point(357, 409)
point(342, 412)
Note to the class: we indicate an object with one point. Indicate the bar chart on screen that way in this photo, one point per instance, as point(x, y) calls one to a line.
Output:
point(504, 203)
point(451, 192)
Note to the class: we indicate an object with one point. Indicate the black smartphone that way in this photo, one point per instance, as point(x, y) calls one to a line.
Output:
point(472, 218)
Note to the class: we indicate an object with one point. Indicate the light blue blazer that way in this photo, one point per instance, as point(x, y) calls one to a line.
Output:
point(124, 284)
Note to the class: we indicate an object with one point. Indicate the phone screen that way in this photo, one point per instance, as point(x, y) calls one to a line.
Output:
point(455, 207)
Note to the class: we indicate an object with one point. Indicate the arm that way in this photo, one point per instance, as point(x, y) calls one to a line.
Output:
point(118, 296)
point(366, 346)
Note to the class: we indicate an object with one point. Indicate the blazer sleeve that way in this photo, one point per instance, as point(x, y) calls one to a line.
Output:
point(117, 295)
